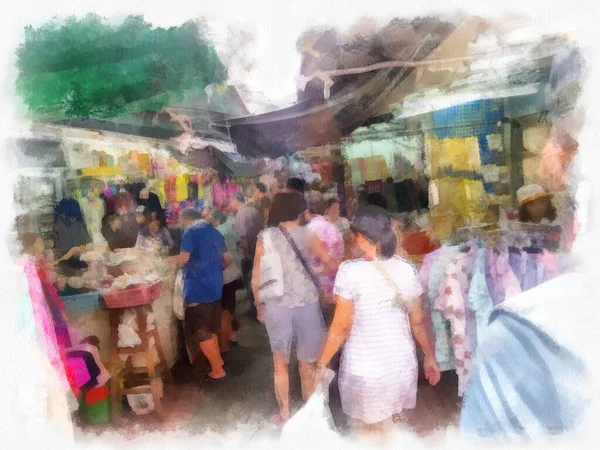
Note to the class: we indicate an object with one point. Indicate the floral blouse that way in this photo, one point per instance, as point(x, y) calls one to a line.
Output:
point(451, 301)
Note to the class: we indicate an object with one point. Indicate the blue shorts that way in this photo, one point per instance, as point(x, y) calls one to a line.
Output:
point(303, 326)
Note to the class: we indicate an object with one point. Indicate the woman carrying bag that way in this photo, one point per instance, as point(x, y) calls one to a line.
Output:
point(286, 296)
point(378, 318)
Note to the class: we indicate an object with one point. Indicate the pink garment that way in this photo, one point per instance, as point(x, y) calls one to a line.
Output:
point(551, 264)
point(104, 376)
point(219, 195)
point(107, 192)
point(121, 200)
point(453, 295)
point(557, 155)
point(426, 265)
point(80, 371)
point(45, 325)
point(334, 241)
point(505, 283)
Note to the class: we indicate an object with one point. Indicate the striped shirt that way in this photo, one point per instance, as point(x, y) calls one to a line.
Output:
point(378, 370)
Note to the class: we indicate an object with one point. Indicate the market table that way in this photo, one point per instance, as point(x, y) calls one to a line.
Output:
point(137, 301)
point(124, 325)
point(96, 323)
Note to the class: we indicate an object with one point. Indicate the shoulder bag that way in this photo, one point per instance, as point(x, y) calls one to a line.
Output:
point(271, 270)
point(307, 268)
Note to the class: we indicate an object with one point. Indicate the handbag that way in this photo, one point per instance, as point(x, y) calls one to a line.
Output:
point(307, 268)
point(271, 269)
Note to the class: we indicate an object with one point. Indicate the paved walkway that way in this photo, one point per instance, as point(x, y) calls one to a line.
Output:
point(245, 401)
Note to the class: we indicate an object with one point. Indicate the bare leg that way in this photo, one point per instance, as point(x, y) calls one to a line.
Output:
point(307, 378)
point(210, 348)
point(373, 432)
point(225, 331)
point(282, 385)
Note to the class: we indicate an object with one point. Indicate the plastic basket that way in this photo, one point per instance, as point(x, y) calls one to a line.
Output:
point(81, 303)
point(136, 296)
point(98, 413)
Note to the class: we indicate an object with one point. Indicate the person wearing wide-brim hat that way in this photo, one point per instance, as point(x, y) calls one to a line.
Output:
point(535, 204)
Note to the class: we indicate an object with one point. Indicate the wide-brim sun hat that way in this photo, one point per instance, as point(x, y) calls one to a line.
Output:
point(531, 192)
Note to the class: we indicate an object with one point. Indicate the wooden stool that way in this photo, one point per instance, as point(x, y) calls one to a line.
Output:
point(118, 372)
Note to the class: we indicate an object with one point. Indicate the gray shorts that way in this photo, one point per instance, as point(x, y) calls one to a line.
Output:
point(303, 326)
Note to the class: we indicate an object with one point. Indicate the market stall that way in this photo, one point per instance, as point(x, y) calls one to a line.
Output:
point(87, 308)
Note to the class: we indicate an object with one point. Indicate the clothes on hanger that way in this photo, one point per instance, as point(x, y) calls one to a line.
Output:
point(93, 209)
point(462, 286)
point(439, 262)
point(451, 302)
point(151, 203)
point(181, 187)
point(479, 299)
point(122, 201)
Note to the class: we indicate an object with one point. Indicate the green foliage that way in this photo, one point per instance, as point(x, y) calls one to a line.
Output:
point(90, 68)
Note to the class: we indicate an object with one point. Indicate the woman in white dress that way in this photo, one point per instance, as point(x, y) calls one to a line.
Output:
point(378, 311)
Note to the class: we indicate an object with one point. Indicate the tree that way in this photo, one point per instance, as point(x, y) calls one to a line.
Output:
point(90, 68)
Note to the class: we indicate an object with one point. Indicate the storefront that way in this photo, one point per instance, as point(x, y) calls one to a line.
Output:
point(102, 290)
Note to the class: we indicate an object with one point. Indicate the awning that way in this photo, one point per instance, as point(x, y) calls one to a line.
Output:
point(211, 157)
point(311, 124)
point(30, 153)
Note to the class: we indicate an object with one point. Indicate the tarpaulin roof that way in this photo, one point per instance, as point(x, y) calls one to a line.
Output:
point(356, 99)
point(212, 157)
point(316, 121)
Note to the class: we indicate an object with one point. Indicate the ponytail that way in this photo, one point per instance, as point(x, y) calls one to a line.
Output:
point(389, 242)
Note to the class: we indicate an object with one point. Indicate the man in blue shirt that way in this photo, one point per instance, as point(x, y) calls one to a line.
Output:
point(203, 257)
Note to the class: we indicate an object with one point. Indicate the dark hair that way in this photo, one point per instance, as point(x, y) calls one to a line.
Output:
point(524, 213)
point(190, 214)
point(153, 216)
point(68, 208)
point(331, 202)
point(111, 217)
point(240, 198)
point(377, 199)
point(27, 240)
point(220, 216)
point(316, 206)
point(286, 207)
point(296, 184)
point(375, 223)
point(261, 188)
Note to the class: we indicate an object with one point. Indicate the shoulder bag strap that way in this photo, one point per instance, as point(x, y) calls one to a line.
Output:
point(301, 258)
point(382, 270)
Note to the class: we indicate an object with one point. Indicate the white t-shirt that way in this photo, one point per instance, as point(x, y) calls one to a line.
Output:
point(380, 341)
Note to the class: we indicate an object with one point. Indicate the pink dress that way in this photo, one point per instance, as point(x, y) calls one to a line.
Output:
point(334, 241)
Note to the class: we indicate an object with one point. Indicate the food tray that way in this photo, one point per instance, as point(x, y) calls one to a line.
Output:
point(81, 302)
point(135, 296)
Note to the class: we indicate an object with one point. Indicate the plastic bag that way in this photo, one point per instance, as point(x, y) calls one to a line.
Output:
point(314, 417)
point(178, 308)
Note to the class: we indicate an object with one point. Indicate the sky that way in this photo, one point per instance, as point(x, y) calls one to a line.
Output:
point(274, 27)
